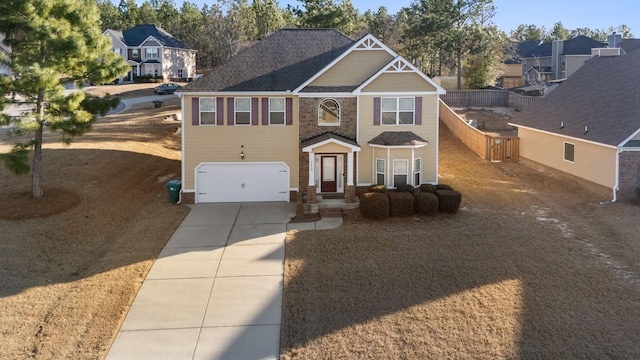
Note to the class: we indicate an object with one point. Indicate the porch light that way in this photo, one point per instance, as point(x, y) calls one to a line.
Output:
point(242, 152)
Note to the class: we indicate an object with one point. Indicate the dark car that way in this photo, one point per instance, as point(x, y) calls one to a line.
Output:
point(165, 89)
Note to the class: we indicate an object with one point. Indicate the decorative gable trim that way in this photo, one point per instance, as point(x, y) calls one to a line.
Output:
point(367, 43)
point(310, 148)
point(150, 37)
point(399, 65)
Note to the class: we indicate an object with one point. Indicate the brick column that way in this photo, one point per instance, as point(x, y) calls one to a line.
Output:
point(311, 194)
point(350, 194)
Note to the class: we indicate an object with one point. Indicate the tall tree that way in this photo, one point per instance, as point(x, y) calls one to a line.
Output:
point(451, 26)
point(559, 32)
point(53, 42)
point(268, 17)
point(528, 32)
point(338, 14)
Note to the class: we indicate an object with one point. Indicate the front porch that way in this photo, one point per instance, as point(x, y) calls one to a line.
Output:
point(328, 202)
point(329, 176)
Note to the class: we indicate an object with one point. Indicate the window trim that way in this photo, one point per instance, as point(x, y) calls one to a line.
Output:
point(564, 152)
point(417, 170)
point(397, 111)
point(406, 161)
point(156, 52)
point(236, 111)
point(215, 111)
point(284, 111)
point(339, 112)
point(383, 172)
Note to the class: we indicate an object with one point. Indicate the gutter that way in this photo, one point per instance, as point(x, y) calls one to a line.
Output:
point(617, 183)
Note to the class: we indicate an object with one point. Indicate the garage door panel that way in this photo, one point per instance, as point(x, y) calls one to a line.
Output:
point(244, 182)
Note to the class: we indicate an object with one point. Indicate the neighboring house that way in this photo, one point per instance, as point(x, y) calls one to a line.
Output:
point(307, 112)
point(558, 59)
point(150, 50)
point(589, 126)
point(5, 51)
point(512, 73)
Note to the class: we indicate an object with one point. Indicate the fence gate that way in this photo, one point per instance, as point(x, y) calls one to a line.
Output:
point(505, 149)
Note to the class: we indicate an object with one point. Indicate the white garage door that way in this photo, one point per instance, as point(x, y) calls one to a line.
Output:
point(242, 182)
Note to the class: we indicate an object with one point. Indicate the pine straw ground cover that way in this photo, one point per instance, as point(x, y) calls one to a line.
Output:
point(532, 266)
point(70, 267)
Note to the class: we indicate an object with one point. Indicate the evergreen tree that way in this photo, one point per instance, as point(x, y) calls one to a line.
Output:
point(54, 42)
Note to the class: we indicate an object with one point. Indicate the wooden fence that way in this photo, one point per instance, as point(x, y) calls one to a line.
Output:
point(503, 148)
point(487, 98)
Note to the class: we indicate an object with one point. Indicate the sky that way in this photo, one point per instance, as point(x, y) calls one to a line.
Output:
point(573, 14)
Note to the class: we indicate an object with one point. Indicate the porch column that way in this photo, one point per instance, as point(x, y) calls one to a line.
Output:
point(350, 168)
point(312, 161)
point(350, 189)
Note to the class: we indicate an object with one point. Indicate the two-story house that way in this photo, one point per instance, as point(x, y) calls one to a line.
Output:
point(150, 50)
point(5, 51)
point(308, 112)
point(558, 59)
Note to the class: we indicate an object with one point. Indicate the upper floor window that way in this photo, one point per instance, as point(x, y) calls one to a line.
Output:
point(134, 53)
point(329, 113)
point(117, 51)
point(276, 111)
point(397, 111)
point(243, 111)
point(180, 73)
point(207, 111)
point(151, 53)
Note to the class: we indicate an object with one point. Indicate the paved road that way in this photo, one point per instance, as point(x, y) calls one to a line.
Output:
point(15, 110)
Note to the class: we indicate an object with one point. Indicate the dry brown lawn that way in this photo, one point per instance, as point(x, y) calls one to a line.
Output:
point(72, 262)
point(532, 266)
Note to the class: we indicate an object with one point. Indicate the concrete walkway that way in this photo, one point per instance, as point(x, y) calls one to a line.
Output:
point(215, 291)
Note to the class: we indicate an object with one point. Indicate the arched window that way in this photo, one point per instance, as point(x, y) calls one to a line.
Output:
point(329, 113)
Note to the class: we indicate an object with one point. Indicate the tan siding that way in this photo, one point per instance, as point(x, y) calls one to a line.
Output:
point(354, 69)
point(405, 82)
point(428, 131)
point(574, 62)
point(223, 144)
point(176, 59)
point(592, 162)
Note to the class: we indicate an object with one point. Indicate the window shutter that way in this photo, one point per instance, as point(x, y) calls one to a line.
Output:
point(289, 111)
point(418, 110)
point(265, 111)
point(254, 111)
point(219, 111)
point(230, 111)
point(195, 111)
point(376, 111)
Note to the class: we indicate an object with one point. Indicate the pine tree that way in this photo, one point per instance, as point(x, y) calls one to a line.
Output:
point(54, 42)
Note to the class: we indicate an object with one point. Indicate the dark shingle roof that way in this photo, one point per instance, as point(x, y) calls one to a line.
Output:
point(630, 45)
point(397, 138)
point(282, 61)
point(326, 136)
point(580, 45)
point(137, 34)
point(525, 48)
point(602, 96)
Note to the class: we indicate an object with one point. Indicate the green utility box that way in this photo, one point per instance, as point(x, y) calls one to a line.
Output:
point(157, 103)
point(173, 187)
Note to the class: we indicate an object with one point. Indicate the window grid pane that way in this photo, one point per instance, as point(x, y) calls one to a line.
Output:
point(276, 118)
point(207, 104)
point(276, 104)
point(406, 118)
point(400, 166)
point(329, 113)
point(243, 105)
point(406, 104)
point(388, 104)
point(208, 118)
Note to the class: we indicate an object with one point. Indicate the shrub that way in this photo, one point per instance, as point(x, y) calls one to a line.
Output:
point(401, 203)
point(428, 188)
point(427, 203)
point(443, 187)
point(406, 188)
point(374, 205)
point(378, 189)
point(449, 201)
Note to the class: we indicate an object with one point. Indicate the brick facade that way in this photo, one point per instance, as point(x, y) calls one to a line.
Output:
point(309, 128)
point(629, 173)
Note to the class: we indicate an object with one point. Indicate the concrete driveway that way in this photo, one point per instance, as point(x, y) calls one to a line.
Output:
point(215, 291)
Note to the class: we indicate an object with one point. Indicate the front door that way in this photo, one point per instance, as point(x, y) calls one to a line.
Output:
point(328, 174)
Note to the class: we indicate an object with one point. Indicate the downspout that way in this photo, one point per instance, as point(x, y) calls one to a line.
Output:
point(617, 182)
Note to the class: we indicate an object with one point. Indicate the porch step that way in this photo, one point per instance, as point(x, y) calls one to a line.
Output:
point(330, 212)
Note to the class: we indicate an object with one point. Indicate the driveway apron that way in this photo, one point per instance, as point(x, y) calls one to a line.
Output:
point(215, 291)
